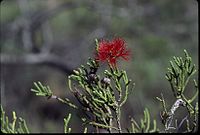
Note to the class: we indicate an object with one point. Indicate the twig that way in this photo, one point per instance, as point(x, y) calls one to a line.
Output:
point(36, 59)
point(118, 113)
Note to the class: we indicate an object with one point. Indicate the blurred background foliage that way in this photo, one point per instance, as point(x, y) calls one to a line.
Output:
point(43, 40)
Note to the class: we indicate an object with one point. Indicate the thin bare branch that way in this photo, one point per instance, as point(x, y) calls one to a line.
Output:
point(36, 59)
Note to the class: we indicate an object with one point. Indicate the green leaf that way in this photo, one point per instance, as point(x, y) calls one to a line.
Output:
point(16, 126)
point(41, 90)
point(66, 124)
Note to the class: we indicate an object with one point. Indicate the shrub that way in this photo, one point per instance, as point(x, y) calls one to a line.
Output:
point(101, 97)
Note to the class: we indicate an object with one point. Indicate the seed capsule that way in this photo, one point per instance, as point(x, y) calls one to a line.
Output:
point(105, 82)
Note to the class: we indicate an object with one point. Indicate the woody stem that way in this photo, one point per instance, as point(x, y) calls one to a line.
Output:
point(118, 114)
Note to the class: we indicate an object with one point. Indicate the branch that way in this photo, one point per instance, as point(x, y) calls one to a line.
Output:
point(36, 59)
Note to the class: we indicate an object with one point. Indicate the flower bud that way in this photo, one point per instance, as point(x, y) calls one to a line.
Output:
point(92, 78)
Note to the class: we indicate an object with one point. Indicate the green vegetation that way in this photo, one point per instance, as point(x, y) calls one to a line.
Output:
point(44, 41)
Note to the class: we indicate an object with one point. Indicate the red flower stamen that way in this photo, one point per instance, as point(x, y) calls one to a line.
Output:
point(111, 51)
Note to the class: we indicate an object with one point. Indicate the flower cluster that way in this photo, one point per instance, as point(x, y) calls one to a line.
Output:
point(110, 51)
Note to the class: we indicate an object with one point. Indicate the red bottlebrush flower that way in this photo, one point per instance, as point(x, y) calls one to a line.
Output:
point(111, 51)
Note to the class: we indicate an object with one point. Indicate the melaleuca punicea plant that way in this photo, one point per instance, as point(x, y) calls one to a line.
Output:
point(17, 125)
point(144, 126)
point(179, 74)
point(101, 96)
